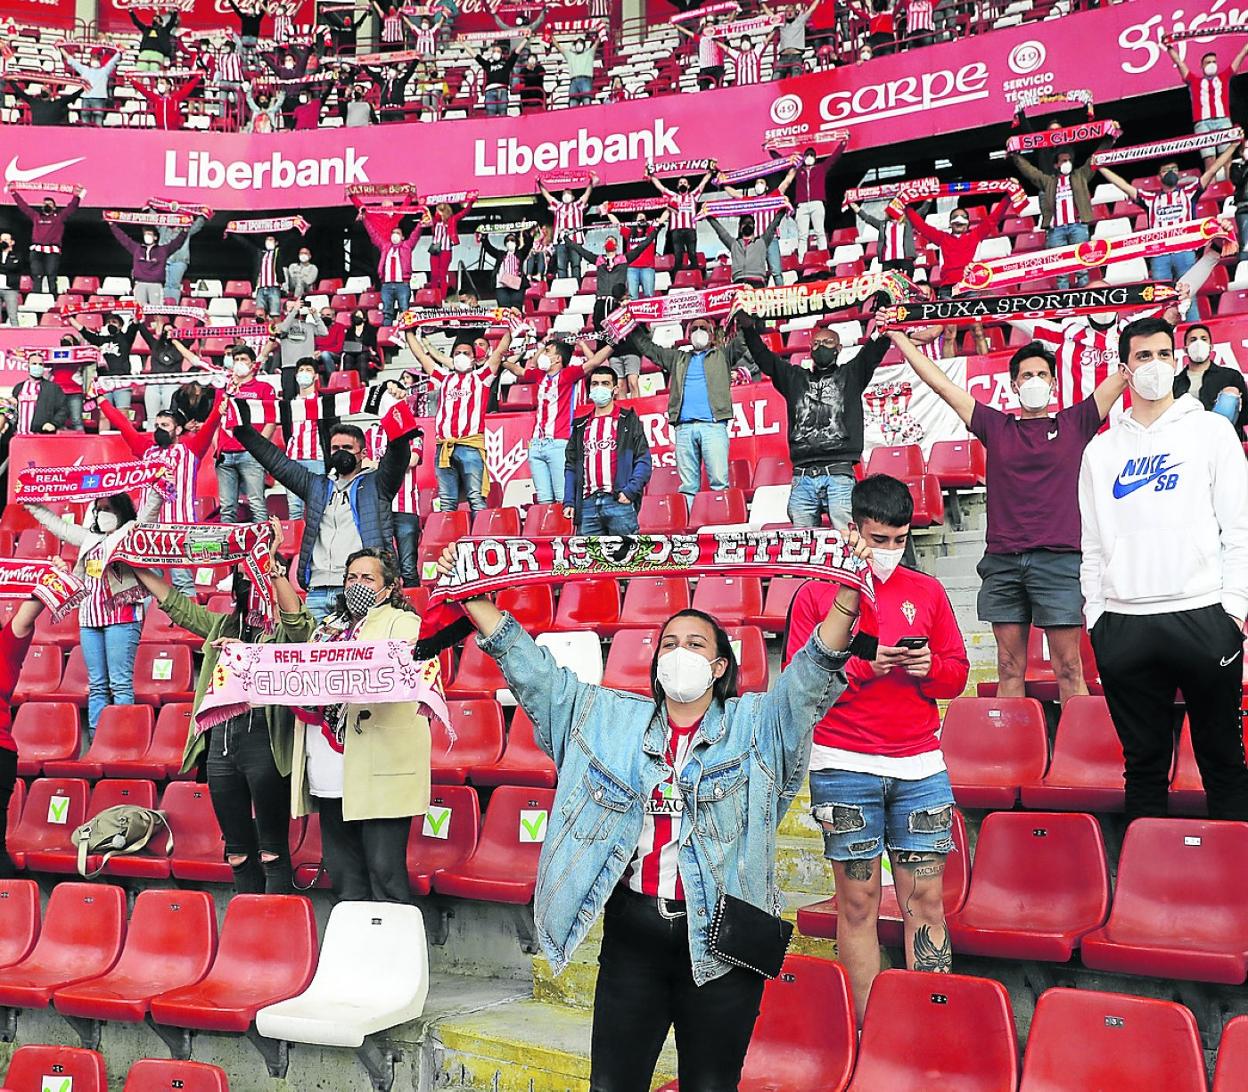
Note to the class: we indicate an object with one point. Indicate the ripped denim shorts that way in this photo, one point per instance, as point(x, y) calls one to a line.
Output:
point(862, 814)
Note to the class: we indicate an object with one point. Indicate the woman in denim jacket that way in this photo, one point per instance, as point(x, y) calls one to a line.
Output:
point(663, 804)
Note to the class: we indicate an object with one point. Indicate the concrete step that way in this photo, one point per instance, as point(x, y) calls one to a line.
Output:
point(956, 566)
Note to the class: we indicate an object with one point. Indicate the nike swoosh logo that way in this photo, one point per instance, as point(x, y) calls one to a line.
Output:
point(14, 173)
point(1228, 660)
point(1125, 489)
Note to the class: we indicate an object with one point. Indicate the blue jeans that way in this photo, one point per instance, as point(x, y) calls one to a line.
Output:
point(294, 502)
point(640, 283)
point(811, 497)
point(547, 462)
point(1170, 267)
point(407, 538)
point(184, 581)
point(320, 601)
point(271, 300)
point(237, 471)
point(174, 272)
point(467, 467)
point(108, 652)
point(773, 260)
point(602, 514)
point(496, 101)
point(581, 91)
point(862, 814)
point(1067, 235)
point(395, 296)
point(698, 444)
point(121, 398)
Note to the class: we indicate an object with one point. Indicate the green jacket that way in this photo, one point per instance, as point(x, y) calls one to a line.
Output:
point(292, 628)
point(675, 362)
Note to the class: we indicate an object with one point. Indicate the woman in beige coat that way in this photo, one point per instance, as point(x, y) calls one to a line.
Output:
point(365, 768)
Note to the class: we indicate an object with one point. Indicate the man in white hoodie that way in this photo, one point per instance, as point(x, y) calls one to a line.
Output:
point(1163, 496)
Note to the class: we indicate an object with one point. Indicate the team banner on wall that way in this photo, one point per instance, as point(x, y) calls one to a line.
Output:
point(899, 408)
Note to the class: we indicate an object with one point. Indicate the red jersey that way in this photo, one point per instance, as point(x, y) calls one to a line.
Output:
point(957, 250)
point(254, 390)
point(895, 715)
point(1211, 95)
point(462, 399)
point(556, 404)
point(653, 870)
point(600, 452)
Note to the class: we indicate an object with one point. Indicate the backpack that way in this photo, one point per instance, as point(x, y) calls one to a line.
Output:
point(126, 828)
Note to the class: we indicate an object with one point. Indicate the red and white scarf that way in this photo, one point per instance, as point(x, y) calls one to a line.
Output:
point(150, 219)
point(1060, 138)
point(167, 204)
point(925, 191)
point(554, 180)
point(721, 8)
point(822, 297)
point(681, 166)
point(57, 589)
point(886, 191)
point(1028, 306)
point(1175, 146)
point(826, 142)
point(81, 484)
point(757, 170)
point(702, 303)
point(1204, 32)
point(635, 204)
point(459, 316)
point(743, 206)
point(269, 225)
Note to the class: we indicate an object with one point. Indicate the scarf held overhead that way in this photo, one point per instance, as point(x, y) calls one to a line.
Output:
point(925, 191)
point(267, 226)
point(150, 219)
point(758, 170)
point(317, 675)
point(80, 484)
point(743, 206)
point(1060, 138)
point(57, 589)
point(822, 297)
point(1174, 147)
point(1028, 306)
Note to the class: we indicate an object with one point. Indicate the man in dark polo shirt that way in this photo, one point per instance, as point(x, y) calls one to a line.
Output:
point(1030, 569)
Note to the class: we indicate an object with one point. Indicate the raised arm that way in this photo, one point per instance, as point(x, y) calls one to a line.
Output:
point(1211, 172)
point(1177, 58)
point(495, 360)
point(1029, 171)
point(1113, 176)
point(960, 401)
point(73, 533)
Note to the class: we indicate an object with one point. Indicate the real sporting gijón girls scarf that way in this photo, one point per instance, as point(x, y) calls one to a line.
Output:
point(57, 589)
point(1028, 306)
point(1080, 257)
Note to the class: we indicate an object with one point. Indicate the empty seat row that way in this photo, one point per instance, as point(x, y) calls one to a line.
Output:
point(957, 464)
point(162, 673)
point(37, 1068)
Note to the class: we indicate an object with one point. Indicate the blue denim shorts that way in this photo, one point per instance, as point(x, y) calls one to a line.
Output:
point(862, 814)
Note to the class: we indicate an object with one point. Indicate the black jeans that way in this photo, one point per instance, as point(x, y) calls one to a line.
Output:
point(243, 777)
point(684, 244)
point(1143, 659)
point(645, 985)
point(366, 858)
point(356, 362)
point(8, 778)
point(44, 268)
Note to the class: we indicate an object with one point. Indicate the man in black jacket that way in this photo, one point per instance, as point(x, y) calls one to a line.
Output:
point(10, 277)
point(44, 108)
point(392, 88)
point(1206, 380)
point(41, 404)
point(497, 79)
point(268, 272)
point(825, 418)
point(115, 345)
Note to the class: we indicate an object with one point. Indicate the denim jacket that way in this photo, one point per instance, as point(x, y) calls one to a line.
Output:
point(745, 766)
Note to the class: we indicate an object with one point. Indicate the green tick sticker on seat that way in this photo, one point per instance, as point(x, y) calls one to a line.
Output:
point(56, 1083)
point(533, 825)
point(437, 822)
point(162, 669)
point(58, 810)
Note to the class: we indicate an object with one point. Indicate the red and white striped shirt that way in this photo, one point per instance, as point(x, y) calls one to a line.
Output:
point(305, 436)
point(425, 41)
point(442, 234)
point(393, 265)
point(654, 869)
point(1210, 95)
point(600, 452)
point(283, 25)
point(919, 17)
point(98, 609)
point(934, 349)
point(749, 67)
point(710, 54)
point(462, 398)
point(894, 241)
point(392, 28)
point(684, 208)
point(1064, 203)
point(268, 269)
point(556, 404)
point(569, 215)
point(509, 266)
point(26, 407)
point(375, 443)
point(1085, 356)
point(229, 67)
point(179, 485)
point(1166, 207)
point(762, 220)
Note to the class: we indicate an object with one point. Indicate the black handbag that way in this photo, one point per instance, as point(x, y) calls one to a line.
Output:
point(745, 936)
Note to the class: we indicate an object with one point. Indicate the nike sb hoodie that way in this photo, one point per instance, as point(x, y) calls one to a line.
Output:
point(1165, 515)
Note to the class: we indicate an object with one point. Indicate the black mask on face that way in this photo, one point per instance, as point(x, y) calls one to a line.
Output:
point(163, 437)
point(342, 462)
point(1170, 178)
point(824, 356)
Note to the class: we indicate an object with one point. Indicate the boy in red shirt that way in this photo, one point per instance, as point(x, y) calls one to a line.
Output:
point(877, 777)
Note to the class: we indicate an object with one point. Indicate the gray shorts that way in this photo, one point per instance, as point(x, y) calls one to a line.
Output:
point(629, 364)
point(1040, 587)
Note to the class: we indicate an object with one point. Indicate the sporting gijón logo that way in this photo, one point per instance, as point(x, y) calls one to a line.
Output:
point(1154, 470)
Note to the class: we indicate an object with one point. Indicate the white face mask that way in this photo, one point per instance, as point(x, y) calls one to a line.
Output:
point(1034, 393)
point(305, 257)
point(461, 362)
point(760, 187)
point(1152, 381)
point(1198, 352)
point(150, 240)
point(511, 246)
point(545, 363)
point(567, 199)
point(1211, 69)
point(884, 562)
point(699, 339)
point(242, 369)
point(305, 379)
point(684, 675)
point(35, 371)
point(1066, 167)
point(270, 245)
point(600, 396)
point(810, 161)
point(106, 522)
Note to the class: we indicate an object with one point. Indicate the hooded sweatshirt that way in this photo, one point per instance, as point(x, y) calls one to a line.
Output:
point(1165, 526)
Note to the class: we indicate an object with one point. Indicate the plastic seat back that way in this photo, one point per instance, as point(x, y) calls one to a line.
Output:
point(772, 470)
point(54, 807)
point(123, 733)
point(992, 746)
point(937, 1031)
point(958, 464)
point(731, 600)
point(523, 762)
point(198, 846)
point(442, 528)
point(1089, 1039)
point(533, 606)
point(19, 920)
point(478, 675)
point(163, 1074)
point(652, 600)
point(36, 1068)
point(163, 673)
point(663, 514)
point(504, 866)
point(588, 604)
point(447, 835)
point(83, 929)
point(580, 652)
point(713, 507)
point(1231, 1074)
point(45, 731)
point(628, 661)
point(1086, 771)
point(475, 735)
point(751, 653)
point(40, 676)
point(249, 965)
point(496, 523)
point(546, 521)
point(168, 739)
point(73, 688)
point(900, 461)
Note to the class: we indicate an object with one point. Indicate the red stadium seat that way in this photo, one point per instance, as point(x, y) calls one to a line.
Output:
point(440, 529)
point(1231, 1074)
point(83, 928)
point(546, 521)
point(163, 757)
point(45, 731)
point(929, 502)
point(1187, 790)
point(523, 762)
point(1086, 771)
point(819, 919)
point(496, 523)
point(958, 464)
point(532, 604)
point(687, 278)
point(751, 651)
point(520, 397)
point(589, 604)
point(73, 688)
point(159, 630)
point(38, 542)
point(1180, 903)
point(171, 943)
point(198, 846)
point(1041, 682)
point(1088, 1039)
point(712, 508)
point(663, 514)
point(75, 1068)
point(53, 808)
point(124, 732)
point(19, 920)
point(161, 1074)
point(731, 600)
point(307, 861)
point(774, 617)
point(1042, 910)
point(65, 633)
point(40, 676)
point(477, 739)
point(902, 461)
point(108, 794)
point(503, 868)
point(652, 600)
point(445, 837)
point(242, 289)
point(163, 673)
point(664, 481)
point(478, 675)
point(628, 660)
point(772, 470)
point(991, 747)
point(937, 1031)
point(250, 970)
point(805, 1036)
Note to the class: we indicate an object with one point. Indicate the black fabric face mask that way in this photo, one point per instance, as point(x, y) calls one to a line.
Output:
point(824, 357)
point(163, 437)
point(342, 462)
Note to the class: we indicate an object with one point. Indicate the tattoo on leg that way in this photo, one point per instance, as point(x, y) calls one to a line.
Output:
point(923, 866)
point(859, 870)
point(929, 956)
